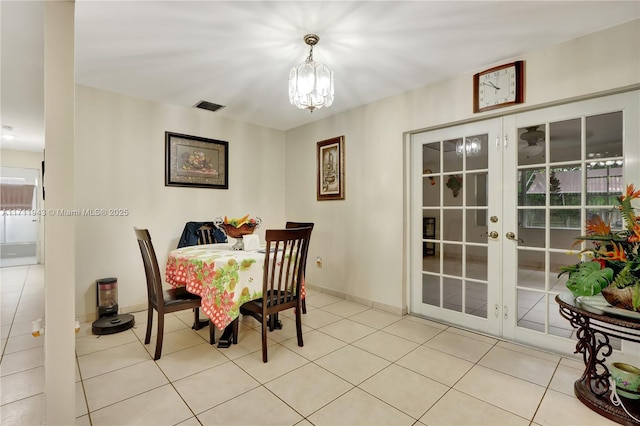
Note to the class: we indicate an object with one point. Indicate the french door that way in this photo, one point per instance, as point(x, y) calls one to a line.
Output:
point(456, 195)
point(497, 205)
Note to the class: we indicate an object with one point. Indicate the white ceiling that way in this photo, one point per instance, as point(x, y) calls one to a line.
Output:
point(239, 53)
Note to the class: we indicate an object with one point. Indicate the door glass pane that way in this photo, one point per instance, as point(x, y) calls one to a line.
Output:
point(452, 225)
point(452, 294)
point(604, 182)
point(564, 219)
point(431, 289)
point(531, 226)
point(557, 282)
point(565, 185)
point(432, 263)
point(431, 158)
point(604, 135)
point(476, 192)
point(476, 265)
point(532, 187)
point(565, 140)
point(452, 161)
point(452, 259)
point(429, 231)
point(430, 191)
point(453, 190)
point(532, 235)
point(531, 269)
point(531, 310)
point(612, 216)
point(531, 145)
point(564, 238)
point(476, 299)
point(558, 325)
point(477, 228)
point(476, 148)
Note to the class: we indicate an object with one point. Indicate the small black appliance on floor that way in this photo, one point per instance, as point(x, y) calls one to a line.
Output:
point(109, 321)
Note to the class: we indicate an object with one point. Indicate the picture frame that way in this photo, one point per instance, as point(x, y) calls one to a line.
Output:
point(331, 170)
point(196, 162)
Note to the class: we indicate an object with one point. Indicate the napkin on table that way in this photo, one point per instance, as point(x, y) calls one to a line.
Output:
point(251, 242)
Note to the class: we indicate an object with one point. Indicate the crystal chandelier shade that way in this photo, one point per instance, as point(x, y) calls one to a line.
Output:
point(472, 147)
point(311, 83)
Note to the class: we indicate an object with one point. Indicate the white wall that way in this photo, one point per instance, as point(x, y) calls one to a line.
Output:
point(23, 159)
point(120, 153)
point(361, 239)
point(120, 164)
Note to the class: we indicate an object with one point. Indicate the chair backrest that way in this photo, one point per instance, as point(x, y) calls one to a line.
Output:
point(290, 225)
point(299, 225)
point(205, 236)
point(151, 269)
point(196, 233)
point(285, 257)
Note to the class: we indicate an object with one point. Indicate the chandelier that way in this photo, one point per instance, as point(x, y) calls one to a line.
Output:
point(311, 83)
point(472, 147)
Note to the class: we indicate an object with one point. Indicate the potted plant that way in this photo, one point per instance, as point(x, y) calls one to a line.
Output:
point(613, 265)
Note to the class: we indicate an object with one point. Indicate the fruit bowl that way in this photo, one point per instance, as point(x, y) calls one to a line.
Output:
point(238, 232)
point(237, 228)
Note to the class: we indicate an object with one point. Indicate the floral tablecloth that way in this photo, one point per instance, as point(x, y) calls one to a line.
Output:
point(224, 278)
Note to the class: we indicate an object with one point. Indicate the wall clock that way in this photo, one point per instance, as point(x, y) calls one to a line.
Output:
point(498, 87)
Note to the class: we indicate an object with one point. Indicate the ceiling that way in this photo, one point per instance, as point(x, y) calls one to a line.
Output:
point(239, 53)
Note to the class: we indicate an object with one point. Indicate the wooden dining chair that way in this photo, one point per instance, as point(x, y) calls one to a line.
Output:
point(285, 256)
point(204, 233)
point(161, 300)
point(201, 233)
point(301, 225)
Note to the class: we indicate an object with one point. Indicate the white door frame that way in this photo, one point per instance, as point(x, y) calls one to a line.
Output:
point(505, 300)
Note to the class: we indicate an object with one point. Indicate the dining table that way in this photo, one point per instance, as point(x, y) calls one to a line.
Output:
point(224, 278)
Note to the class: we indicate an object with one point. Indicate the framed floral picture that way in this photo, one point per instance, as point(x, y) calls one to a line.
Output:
point(195, 161)
point(331, 169)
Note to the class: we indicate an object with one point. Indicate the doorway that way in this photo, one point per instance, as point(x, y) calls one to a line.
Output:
point(499, 204)
point(19, 216)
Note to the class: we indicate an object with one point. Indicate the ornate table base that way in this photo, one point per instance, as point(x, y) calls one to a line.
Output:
point(592, 389)
point(603, 406)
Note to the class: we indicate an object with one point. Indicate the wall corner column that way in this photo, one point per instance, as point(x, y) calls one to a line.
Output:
point(59, 231)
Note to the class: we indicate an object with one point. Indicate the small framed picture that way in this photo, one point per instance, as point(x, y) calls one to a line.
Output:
point(195, 161)
point(331, 171)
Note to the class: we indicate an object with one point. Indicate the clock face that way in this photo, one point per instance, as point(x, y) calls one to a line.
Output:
point(498, 87)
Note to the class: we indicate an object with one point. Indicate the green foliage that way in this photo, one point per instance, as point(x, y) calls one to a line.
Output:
point(616, 254)
point(587, 279)
point(626, 275)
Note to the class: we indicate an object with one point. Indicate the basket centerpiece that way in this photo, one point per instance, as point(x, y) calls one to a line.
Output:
point(612, 264)
point(237, 228)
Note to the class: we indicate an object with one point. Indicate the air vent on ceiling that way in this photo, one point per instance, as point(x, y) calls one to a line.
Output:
point(208, 105)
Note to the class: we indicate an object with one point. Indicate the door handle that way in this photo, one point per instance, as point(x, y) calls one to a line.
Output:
point(493, 234)
point(512, 236)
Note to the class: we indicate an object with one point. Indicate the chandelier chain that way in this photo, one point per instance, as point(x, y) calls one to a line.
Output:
point(310, 57)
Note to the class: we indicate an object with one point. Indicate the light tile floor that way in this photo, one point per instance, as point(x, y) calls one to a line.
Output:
point(358, 366)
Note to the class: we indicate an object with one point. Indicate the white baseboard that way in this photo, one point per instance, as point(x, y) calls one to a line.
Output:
point(360, 300)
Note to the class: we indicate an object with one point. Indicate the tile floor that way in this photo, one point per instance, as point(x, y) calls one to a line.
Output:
point(359, 366)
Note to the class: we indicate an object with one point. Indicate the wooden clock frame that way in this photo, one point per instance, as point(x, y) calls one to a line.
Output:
point(519, 86)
